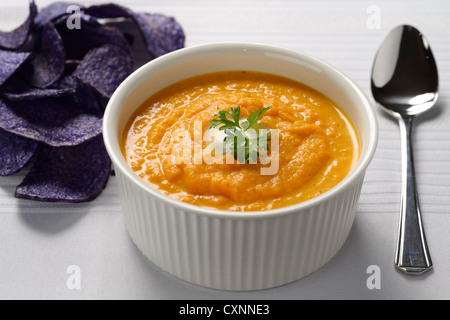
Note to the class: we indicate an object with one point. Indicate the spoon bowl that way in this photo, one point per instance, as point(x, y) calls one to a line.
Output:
point(405, 77)
point(405, 84)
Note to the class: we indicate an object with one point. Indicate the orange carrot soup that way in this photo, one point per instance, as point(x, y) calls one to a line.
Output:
point(240, 141)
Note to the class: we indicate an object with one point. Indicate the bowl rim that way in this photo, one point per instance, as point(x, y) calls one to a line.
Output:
point(110, 134)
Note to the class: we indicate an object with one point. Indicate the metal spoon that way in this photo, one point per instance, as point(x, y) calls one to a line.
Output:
point(405, 83)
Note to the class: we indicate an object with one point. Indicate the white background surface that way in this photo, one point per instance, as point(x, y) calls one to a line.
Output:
point(39, 241)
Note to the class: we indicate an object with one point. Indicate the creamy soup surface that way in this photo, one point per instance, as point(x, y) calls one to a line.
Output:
point(317, 143)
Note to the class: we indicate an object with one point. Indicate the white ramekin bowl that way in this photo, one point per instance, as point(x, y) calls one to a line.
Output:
point(236, 250)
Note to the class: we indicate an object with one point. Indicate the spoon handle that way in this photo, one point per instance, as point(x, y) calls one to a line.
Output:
point(412, 256)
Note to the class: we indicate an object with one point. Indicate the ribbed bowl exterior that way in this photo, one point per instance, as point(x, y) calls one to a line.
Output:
point(238, 254)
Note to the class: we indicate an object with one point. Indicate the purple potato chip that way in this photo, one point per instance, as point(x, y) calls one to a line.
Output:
point(16, 89)
point(108, 11)
point(67, 174)
point(16, 38)
point(78, 42)
point(53, 12)
point(15, 152)
point(51, 121)
point(36, 94)
point(84, 97)
point(47, 64)
point(10, 62)
point(105, 68)
point(161, 33)
point(76, 21)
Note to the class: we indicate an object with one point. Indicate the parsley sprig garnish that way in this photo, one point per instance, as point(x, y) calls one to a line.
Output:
point(240, 141)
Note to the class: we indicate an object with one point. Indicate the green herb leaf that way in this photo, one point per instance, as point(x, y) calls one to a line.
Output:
point(255, 116)
point(236, 139)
